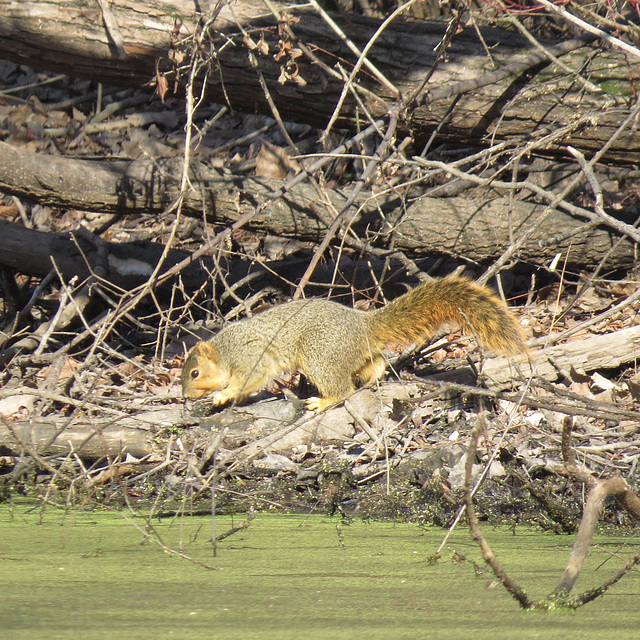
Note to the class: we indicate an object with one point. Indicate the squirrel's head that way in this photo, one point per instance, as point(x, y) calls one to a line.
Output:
point(202, 373)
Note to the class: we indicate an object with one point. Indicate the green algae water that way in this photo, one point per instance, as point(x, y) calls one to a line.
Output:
point(94, 575)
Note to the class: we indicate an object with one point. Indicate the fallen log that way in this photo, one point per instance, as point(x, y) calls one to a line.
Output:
point(607, 351)
point(471, 98)
point(57, 437)
point(473, 230)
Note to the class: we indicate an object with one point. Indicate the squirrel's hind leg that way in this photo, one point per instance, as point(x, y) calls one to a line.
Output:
point(339, 387)
point(373, 370)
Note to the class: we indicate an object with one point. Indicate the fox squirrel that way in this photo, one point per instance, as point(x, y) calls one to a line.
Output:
point(336, 346)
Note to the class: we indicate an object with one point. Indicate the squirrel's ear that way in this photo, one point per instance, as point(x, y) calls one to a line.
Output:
point(207, 351)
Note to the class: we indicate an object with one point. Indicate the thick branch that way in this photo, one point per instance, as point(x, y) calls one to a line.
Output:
point(593, 509)
point(133, 436)
point(600, 490)
point(606, 351)
point(129, 263)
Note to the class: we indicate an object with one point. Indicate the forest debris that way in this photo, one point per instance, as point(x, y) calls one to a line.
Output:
point(599, 490)
point(583, 119)
point(414, 433)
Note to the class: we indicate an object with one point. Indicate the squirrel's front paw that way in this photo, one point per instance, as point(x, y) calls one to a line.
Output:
point(221, 397)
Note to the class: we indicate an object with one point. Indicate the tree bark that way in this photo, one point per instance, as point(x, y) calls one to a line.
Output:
point(70, 36)
point(472, 230)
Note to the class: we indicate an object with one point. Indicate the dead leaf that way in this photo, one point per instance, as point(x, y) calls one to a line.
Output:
point(634, 389)
point(19, 404)
point(263, 46)
point(272, 162)
point(162, 86)
point(582, 387)
point(8, 211)
point(438, 356)
point(299, 80)
point(604, 384)
point(69, 367)
point(287, 19)
point(607, 395)
point(579, 376)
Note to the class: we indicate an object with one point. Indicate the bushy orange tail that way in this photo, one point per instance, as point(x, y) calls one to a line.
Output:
point(414, 316)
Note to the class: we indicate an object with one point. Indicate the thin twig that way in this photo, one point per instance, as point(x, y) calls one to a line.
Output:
point(569, 17)
point(545, 50)
point(362, 55)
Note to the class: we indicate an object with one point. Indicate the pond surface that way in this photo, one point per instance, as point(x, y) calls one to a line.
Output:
point(93, 575)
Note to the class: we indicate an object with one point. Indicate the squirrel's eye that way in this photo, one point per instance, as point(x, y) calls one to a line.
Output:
point(195, 373)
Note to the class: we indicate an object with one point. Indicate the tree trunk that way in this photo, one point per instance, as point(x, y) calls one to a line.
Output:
point(70, 36)
point(475, 230)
